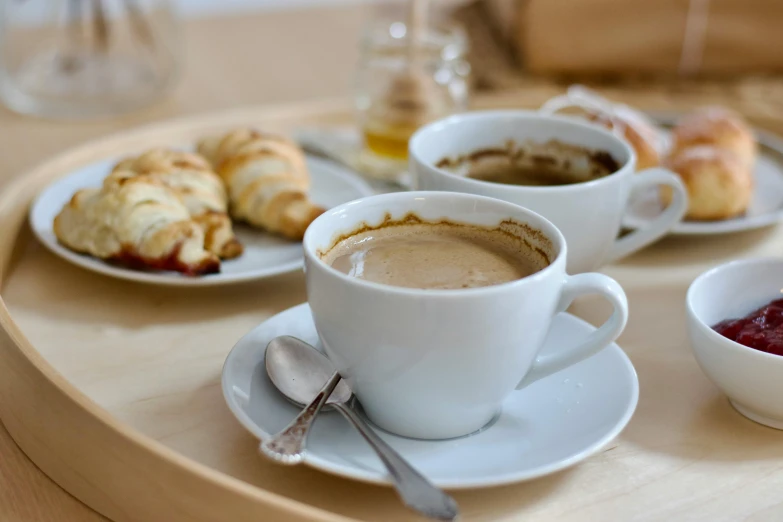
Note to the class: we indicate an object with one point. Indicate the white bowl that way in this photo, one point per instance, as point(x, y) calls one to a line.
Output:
point(753, 380)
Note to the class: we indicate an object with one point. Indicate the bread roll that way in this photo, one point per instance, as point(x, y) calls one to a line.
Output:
point(719, 127)
point(719, 183)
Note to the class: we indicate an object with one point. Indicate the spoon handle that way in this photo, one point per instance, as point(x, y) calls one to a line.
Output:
point(288, 446)
point(416, 492)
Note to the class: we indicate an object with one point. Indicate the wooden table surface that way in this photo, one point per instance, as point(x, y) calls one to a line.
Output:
point(297, 55)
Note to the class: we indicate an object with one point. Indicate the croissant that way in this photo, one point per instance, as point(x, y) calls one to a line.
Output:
point(138, 221)
point(267, 180)
point(640, 135)
point(634, 126)
point(202, 191)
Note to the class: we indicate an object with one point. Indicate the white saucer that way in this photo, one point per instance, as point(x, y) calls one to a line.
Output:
point(766, 207)
point(264, 256)
point(555, 423)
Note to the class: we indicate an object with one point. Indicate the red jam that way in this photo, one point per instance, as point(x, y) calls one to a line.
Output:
point(761, 330)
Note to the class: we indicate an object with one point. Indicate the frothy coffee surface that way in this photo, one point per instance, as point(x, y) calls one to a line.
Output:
point(534, 164)
point(435, 256)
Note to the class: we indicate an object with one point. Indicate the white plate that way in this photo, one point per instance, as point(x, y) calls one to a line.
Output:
point(766, 206)
point(555, 423)
point(264, 256)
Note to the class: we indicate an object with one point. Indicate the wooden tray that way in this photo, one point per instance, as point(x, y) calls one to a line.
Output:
point(112, 388)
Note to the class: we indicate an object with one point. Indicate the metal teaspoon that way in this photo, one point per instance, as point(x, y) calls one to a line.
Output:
point(297, 370)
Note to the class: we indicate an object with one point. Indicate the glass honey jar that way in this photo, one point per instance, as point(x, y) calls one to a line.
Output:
point(403, 85)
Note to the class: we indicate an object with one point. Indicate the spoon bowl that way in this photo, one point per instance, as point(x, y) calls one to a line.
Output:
point(299, 371)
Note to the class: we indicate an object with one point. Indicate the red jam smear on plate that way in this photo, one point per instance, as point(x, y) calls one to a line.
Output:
point(761, 329)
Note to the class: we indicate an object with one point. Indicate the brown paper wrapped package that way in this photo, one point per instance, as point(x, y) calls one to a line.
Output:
point(631, 37)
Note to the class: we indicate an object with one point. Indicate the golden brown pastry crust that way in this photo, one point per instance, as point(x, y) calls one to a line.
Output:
point(719, 127)
point(267, 180)
point(138, 221)
point(202, 191)
point(642, 137)
point(635, 127)
point(719, 183)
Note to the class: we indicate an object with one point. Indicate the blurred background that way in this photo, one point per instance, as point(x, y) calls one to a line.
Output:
point(129, 61)
point(725, 51)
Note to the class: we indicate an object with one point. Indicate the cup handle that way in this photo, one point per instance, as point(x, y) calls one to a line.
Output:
point(660, 225)
point(573, 287)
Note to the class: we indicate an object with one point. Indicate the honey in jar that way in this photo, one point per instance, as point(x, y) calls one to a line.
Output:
point(389, 140)
point(398, 92)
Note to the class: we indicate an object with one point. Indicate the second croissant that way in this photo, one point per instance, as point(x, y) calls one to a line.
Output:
point(266, 178)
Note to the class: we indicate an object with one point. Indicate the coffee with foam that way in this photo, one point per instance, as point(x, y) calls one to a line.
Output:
point(443, 255)
point(531, 163)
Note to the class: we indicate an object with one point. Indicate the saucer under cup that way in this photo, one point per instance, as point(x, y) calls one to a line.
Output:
point(555, 423)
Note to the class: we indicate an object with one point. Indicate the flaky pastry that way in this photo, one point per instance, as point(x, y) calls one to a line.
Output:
point(201, 190)
point(136, 220)
point(635, 127)
point(267, 180)
point(642, 136)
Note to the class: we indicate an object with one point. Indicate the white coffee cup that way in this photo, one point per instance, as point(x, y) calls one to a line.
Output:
point(588, 214)
point(436, 364)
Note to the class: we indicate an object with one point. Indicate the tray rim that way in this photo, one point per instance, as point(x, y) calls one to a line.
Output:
point(33, 392)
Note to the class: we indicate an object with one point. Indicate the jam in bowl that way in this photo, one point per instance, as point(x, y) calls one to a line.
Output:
point(735, 324)
point(761, 329)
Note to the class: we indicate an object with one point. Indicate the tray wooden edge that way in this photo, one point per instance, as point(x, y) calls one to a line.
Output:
point(111, 467)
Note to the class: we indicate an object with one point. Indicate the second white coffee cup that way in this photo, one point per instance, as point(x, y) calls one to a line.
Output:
point(588, 214)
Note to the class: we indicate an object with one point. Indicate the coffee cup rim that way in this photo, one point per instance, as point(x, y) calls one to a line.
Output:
point(415, 154)
point(545, 226)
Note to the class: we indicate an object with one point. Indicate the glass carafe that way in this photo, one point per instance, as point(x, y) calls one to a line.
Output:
point(86, 58)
